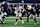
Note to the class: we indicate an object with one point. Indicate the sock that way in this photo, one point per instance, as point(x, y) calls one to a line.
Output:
point(27, 19)
point(35, 20)
point(3, 19)
point(21, 18)
point(16, 20)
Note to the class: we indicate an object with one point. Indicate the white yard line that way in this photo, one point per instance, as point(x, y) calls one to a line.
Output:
point(15, 17)
point(18, 20)
point(21, 25)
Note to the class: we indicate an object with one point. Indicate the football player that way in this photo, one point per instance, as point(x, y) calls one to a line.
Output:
point(32, 14)
point(2, 15)
point(18, 13)
point(28, 12)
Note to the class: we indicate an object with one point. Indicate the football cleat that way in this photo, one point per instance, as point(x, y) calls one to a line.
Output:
point(16, 23)
point(36, 23)
point(3, 22)
point(22, 22)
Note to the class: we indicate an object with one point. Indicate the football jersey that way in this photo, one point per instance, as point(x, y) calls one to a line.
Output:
point(32, 11)
point(3, 2)
point(5, 5)
point(19, 8)
point(29, 7)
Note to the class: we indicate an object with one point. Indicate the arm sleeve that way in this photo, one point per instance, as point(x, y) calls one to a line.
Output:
point(3, 3)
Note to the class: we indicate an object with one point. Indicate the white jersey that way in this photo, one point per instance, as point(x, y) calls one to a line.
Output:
point(3, 2)
point(8, 3)
point(29, 7)
point(19, 8)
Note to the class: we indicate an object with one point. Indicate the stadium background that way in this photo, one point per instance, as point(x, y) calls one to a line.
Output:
point(25, 1)
point(11, 20)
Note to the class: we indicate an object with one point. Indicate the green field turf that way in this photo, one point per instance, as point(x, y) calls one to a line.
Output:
point(10, 22)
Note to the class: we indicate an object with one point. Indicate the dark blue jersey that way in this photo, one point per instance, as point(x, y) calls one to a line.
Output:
point(32, 11)
point(5, 6)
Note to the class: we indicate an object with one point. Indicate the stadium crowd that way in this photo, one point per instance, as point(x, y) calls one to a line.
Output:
point(10, 8)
